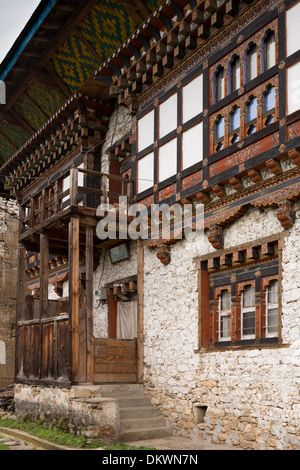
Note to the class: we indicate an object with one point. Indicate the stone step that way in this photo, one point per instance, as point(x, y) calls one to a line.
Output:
point(122, 390)
point(138, 412)
point(143, 422)
point(129, 402)
point(144, 433)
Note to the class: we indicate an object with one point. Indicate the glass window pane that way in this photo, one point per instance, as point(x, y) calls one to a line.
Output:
point(146, 131)
point(272, 321)
point(292, 29)
point(235, 74)
point(273, 292)
point(293, 88)
point(252, 109)
point(145, 172)
point(225, 327)
point(270, 99)
point(168, 116)
point(220, 128)
point(252, 63)
point(225, 301)
point(249, 296)
point(270, 54)
point(219, 84)
point(192, 99)
point(167, 163)
point(249, 323)
point(192, 151)
point(235, 119)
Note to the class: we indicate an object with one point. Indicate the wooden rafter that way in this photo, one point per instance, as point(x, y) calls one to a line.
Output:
point(58, 39)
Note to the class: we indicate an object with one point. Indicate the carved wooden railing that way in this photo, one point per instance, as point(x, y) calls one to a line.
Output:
point(88, 191)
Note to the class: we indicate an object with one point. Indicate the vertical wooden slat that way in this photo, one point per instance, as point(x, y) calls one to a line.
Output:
point(73, 187)
point(43, 306)
point(74, 295)
point(140, 317)
point(21, 300)
point(89, 303)
point(44, 271)
point(55, 198)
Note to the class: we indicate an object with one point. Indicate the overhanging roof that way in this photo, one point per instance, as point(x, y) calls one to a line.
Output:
point(60, 48)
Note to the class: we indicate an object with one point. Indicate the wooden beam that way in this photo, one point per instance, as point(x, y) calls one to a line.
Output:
point(44, 271)
point(75, 19)
point(74, 297)
point(140, 313)
point(89, 261)
point(58, 82)
point(12, 117)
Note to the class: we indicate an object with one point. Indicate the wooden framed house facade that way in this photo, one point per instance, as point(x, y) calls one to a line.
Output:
point(197, 110)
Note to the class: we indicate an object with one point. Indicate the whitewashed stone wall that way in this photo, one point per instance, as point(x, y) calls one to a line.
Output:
point(252, 396)
point(105, 273)
point(9, 226)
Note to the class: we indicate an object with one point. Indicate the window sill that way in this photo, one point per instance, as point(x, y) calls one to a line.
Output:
point(243, 345)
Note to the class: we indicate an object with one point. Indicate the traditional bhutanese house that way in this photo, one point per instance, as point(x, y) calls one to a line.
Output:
point(123, 116)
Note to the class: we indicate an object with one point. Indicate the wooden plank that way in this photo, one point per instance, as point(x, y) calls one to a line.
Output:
point(89, 260)
point(63, 365)
point(140, 312)
point(74, 296)
point(99, 360)
point(115, 378)
point(73, 186)
point(115, 368)
point(44, 270)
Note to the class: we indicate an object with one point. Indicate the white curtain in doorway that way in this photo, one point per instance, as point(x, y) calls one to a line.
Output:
point(127, 320)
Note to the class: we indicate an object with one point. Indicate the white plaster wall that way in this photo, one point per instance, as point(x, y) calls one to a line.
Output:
point(105, 273)
point(253, 395)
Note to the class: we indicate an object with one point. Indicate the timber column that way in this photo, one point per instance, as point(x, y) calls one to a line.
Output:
point(75, 375)
point(140, 315)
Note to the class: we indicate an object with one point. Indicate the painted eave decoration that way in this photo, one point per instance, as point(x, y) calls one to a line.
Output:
point(60, 48)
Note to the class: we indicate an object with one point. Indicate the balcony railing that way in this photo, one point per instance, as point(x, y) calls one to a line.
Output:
point(76, 188)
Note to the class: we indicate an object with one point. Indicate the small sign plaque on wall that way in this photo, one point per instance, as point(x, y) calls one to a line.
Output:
point(119, 253)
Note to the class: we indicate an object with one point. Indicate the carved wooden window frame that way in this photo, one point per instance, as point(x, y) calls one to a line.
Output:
point(254, 265)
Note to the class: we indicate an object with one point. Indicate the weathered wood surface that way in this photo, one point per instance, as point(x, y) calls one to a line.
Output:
point(115, 360)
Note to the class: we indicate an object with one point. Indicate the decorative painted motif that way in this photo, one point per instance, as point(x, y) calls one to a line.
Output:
point(241, 51)
point(242, 155)
point(166, 192)
point(191, 180)
point(241, 102)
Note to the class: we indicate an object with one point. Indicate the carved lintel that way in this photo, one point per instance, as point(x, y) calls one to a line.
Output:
point(286, 214)
point(164, 254)
point(215, 236)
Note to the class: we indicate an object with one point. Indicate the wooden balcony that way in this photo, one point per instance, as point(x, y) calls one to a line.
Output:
point(77, 193)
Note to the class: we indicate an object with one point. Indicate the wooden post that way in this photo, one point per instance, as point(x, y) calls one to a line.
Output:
point(140, 317)
point(21, 299)
point(89, 303)
point(43, 306)
point(44, 269)
point(21, 289)
point(73, 187)
point(74, 296)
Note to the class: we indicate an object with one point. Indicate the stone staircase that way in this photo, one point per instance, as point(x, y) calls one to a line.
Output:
point(138, 418)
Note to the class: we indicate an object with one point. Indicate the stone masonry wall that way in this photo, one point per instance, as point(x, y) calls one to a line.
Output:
point(78, 410)
point(248, 398)
point(8, 289)
point(251, 397)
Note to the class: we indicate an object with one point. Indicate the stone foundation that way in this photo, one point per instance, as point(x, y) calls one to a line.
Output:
point(78, 410)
